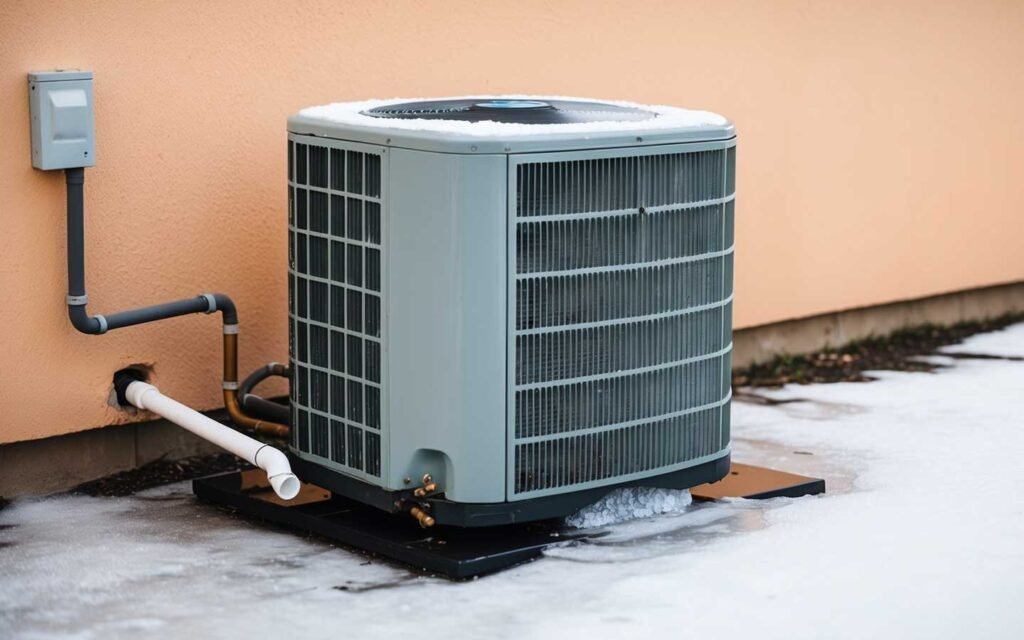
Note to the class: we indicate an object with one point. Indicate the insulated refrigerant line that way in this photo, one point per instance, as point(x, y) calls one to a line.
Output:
point(256, 405)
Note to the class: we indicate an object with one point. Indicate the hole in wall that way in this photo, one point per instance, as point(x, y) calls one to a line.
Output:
point(139, 371)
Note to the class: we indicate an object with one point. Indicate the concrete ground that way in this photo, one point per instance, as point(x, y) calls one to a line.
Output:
point(920, 536)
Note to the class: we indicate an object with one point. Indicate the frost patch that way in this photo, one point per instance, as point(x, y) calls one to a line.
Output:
point(351, 113)
point(630, 503)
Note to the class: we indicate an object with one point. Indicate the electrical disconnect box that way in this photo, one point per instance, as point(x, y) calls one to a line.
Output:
point(60, 106)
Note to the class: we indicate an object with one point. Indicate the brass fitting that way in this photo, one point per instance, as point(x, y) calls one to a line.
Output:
point(422, 517)
point(231, 403)
point(425, 490)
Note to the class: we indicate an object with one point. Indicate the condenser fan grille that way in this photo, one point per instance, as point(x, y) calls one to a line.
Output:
point(512, 111)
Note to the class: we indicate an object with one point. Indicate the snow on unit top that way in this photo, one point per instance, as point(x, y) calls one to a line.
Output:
point(511, 116)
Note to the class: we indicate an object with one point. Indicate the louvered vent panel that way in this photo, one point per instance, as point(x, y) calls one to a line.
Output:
point(622, 317)
point(335, 249)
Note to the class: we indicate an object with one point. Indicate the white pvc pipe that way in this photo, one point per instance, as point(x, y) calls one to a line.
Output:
point(279, 471)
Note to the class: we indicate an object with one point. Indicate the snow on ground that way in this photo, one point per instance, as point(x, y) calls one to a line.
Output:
point(920, 536)
point(630, 503)
point(1008, 342)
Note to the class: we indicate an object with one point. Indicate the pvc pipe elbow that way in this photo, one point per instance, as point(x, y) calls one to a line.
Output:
point(279, 472)
point(286, 485)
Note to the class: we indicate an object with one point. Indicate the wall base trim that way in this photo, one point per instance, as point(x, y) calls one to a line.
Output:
point(805, 335)
point(50, 465)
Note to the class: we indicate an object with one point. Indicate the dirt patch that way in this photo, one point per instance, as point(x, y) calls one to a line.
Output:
point(898, 351)
point(160, 472)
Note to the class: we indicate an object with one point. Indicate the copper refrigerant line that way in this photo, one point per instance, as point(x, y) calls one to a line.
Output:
point(263, 416)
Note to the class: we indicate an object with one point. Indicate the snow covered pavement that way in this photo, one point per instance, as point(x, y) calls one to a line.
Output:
point(920, 536)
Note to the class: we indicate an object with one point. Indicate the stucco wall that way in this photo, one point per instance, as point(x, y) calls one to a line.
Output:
point(880, 156)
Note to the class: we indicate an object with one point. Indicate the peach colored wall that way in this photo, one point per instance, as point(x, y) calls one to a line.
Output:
point(881, 152)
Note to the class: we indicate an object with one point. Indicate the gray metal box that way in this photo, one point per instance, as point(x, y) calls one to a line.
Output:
point(520, 317)
point(61, 111)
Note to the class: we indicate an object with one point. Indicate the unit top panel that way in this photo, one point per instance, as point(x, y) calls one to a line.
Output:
point(509, 124)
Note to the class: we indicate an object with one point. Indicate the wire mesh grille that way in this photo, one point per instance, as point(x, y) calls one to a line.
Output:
point(598, 456)
point(622, 316)
point(334, 301)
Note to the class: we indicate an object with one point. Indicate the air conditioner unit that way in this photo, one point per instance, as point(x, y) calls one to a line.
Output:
point(527, 299)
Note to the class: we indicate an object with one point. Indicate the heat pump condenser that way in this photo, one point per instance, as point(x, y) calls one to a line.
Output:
point(527, 299)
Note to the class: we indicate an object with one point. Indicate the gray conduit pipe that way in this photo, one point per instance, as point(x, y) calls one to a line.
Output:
point(77, 298)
